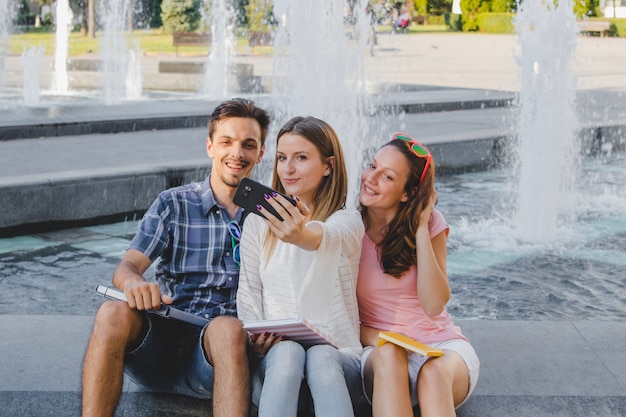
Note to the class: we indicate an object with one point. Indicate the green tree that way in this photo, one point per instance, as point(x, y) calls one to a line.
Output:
point(421, 7)
point(180, 15)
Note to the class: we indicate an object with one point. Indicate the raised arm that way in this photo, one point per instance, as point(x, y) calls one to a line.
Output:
point(432, 283)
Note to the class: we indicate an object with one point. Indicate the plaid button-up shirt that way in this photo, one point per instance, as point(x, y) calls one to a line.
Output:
point(187, 230)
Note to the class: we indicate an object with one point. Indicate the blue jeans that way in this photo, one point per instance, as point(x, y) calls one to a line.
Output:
point(333, 378)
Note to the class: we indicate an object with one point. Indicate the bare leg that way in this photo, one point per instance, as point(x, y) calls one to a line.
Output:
point(225, 342)
point(387, 376)
point(442, 384)
point(116, 327)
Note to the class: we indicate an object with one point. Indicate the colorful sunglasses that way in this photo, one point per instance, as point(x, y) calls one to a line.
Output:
point(235, 236)
point(418, 150)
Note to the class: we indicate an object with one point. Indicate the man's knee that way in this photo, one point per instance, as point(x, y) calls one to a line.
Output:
point(225, 335)
point(116, 321)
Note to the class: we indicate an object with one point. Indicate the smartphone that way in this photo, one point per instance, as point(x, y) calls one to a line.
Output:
point(250, 193)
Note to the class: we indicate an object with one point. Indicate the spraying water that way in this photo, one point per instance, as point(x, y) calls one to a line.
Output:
point(547, 122)
point(63, 22)
point(222, 48)
point(114, 50)
point(5, 30)
point(31, 62)
point(318, 71)
point(134, 80)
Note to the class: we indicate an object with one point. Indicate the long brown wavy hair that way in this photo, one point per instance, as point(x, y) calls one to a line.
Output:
point(332, 192)
point(397, 249)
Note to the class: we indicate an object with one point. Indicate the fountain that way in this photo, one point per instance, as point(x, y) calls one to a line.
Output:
point(547, 122)
point(8, 7)
point(63, 22)
point(31, 62)
point(115, 53)
point(524, 241)
point(321, 75)
point(222, 49)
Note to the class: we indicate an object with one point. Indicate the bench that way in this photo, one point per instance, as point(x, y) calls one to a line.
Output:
point(420, 20)
point(588, 27)
point(191, 39)
point(260, 39)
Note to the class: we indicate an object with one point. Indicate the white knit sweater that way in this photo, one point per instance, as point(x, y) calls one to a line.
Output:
point(319, 286)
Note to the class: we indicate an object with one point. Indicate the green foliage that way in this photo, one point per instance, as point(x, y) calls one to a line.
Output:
point(500, 6)
point(453, 21)
point(586, 8)
point(421, 7)
point(260, 16)
point(180, 15)
point(618, 28)
point(439, 7)
point(471, 8)
point(495, 22)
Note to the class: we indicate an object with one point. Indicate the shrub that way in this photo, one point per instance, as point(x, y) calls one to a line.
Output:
point(618, 28)
point(180, 15)
point(453, 21)
point(495, 22)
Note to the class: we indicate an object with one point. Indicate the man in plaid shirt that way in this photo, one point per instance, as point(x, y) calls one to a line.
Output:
point(193, 230)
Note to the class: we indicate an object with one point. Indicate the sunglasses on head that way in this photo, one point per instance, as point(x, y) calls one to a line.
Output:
point(418, 150)
point(235, 236)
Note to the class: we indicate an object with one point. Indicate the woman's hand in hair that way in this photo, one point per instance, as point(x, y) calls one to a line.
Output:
point(428, 210)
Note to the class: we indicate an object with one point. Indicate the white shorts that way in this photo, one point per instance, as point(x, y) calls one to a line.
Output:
point(460, 346)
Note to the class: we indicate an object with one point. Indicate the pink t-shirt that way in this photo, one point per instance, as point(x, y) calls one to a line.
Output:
point(392, 304)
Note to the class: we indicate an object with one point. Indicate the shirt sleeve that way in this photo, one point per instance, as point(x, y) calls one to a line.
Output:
point(341, 242)
point(437, 224)
point(153, 237)
point(250, 291)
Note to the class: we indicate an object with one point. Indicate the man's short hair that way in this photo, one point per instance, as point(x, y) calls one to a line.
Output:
point(240, 107)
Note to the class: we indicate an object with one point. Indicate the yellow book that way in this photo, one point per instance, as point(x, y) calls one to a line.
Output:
point(408, 343)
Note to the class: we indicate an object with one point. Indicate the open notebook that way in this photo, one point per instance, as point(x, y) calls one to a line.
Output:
point(296, 329)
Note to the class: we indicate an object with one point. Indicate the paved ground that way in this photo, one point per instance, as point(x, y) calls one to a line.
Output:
point(529, 368)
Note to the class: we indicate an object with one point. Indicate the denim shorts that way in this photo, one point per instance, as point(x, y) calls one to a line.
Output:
point(171, 359)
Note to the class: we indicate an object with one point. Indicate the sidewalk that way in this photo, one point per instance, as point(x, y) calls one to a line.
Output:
point(546, 368)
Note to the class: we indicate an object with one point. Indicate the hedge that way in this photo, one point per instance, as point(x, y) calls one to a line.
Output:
point(495, 22)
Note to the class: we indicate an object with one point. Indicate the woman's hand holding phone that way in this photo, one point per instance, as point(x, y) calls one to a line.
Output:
point(292, 228)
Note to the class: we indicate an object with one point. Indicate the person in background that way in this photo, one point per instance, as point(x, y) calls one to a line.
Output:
point(304, 266)
point(189, 229)
point(403, 287)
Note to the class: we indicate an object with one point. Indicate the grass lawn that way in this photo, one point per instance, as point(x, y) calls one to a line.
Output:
point(151, 42)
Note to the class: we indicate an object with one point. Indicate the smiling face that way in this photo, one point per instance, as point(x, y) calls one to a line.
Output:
point(234, 148)
point(300, 166)
point(384, 179)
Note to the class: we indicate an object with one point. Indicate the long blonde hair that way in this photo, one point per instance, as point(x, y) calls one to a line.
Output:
point(332, 192)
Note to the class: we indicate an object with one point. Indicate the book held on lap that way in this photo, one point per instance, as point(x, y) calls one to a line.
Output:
point(296, 329)
point(408, 343)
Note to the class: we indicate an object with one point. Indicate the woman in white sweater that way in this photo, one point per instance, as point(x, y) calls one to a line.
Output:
point(305, 266)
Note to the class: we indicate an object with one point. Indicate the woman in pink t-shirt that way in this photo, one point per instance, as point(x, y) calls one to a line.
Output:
point(406, 239)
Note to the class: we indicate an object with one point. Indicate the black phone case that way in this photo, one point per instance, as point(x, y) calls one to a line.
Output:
point(250, 193)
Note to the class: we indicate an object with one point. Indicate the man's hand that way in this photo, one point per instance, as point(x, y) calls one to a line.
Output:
point(143, 295)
